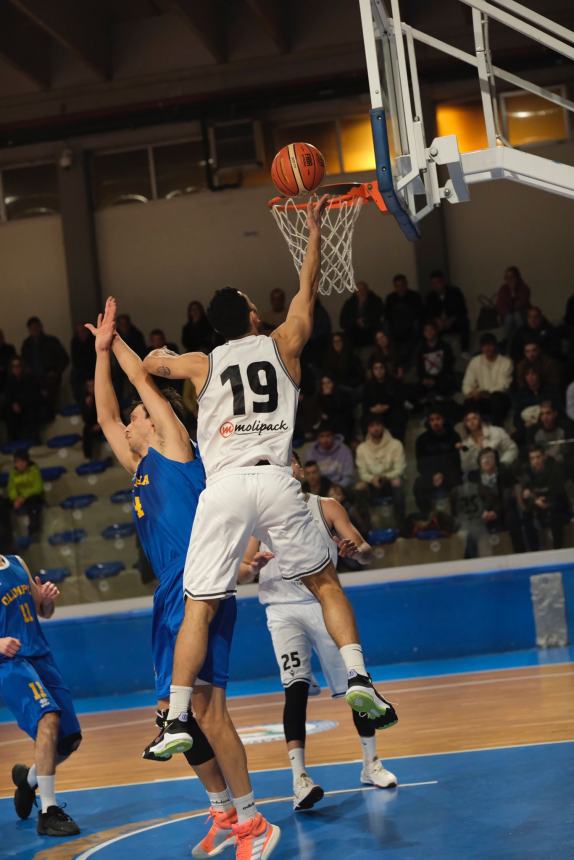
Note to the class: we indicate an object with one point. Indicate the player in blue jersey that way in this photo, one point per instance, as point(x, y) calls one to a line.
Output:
point(168, 477)
point(33, 689)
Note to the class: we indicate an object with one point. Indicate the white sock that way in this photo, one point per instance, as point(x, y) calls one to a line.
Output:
point(46, 787)
point(179, 701)
point(245, 807)
point(32, 778)
point(353, 659)
point(220, 800)
point(297, 759)
point(369, 750)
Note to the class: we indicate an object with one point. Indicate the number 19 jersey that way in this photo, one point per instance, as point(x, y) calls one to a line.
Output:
point(246, 407)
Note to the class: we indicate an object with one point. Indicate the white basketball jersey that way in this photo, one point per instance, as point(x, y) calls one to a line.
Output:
point(246, 407)
point(273, 588)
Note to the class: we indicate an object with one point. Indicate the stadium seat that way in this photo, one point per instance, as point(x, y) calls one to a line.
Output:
point(52, 473)
point(22, 542)
point(69, 536)
point(66, 440)
point(3, 479)
point(18, 445)
point(104, 569)
point(121, 497)
point(93, 467)
point(72, 503)
point(70, 409)
point(118, 530)
point(379, 537)
point(53, 574)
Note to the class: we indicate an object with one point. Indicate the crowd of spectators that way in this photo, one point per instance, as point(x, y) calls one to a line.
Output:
point(395, 411)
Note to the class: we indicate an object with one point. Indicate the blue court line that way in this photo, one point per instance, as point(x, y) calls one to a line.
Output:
point(494, 804)
point(392, 672)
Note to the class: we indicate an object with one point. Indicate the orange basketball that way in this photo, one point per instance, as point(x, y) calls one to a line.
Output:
point(297, 168)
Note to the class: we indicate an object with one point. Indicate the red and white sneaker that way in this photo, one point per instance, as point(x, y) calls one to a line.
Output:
point(220, 835)
point(256, 838)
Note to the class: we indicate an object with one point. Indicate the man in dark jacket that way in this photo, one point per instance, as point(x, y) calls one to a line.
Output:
point(404, 312)
point(361, 315)
point(438, 461)
point(537, 328)
point(83, 360)
point(446, 306)
point(544, 500)
point(45, 358)
point(7, 353)
point(435, 366)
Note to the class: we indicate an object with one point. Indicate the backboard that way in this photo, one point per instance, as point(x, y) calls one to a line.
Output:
point(406, 162)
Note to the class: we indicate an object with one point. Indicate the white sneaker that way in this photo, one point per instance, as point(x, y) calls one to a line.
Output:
point(306, 793)
point(376, 774)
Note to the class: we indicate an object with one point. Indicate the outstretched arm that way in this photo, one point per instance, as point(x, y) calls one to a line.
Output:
point(191, 365)
point(294, 333)
point(349, 539)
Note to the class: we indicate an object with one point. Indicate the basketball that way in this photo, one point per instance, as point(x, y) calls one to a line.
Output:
point(297, 168)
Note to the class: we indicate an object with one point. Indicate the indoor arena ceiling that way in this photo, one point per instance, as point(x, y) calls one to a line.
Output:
point(69, 65)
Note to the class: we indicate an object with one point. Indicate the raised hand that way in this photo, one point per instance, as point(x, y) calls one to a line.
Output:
point(315, 209)
point(105, 329)
point(48, 591)
point(346, 548)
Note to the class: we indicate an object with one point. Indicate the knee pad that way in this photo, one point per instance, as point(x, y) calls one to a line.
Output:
point(201, 750)
point(295, 711)
point(69, 744)
point(363, 725)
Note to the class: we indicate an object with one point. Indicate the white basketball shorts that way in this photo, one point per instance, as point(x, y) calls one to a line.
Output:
point(264, 501)
point(298, 629)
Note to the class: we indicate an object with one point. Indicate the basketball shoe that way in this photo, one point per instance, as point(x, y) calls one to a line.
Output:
point(363, 698)
point(24, 796)
point(219, 836)
point(375, 773)
point(55, 822)
point(306, 793)
point(173, 738)
point(256, 838)
point(160, 721)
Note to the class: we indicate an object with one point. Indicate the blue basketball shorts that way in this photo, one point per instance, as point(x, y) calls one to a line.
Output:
point(168, 611)
point(32, 687)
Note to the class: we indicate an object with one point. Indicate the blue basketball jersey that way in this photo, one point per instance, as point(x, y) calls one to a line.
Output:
point(18, 617)
point(165, 497)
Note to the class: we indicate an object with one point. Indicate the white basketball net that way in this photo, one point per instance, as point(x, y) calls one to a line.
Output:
point(337, 226)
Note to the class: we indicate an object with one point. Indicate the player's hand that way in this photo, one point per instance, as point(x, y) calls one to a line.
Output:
point(9, 646)
point(259, 560)
point(105, 329)
point(48, 591)
point(347, 548)
point(315, 209)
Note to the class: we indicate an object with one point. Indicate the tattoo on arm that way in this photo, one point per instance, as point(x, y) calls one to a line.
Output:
point(163, 371)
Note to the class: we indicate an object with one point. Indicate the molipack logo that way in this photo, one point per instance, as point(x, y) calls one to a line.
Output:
point(253, 428)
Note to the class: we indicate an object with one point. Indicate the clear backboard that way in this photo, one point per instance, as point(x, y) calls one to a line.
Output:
point(406, 162)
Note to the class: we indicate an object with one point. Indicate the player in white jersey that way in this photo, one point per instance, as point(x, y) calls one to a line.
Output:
point(297, 629)
point(248, 391)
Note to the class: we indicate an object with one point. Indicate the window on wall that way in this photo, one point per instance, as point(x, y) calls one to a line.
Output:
point(530, 119)
point(120, 178)
point(357, 144)
point(179, 168)
point(466, 120)
point(30, 191)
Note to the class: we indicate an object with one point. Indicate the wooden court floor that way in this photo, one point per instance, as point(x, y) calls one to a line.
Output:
point(437, 714)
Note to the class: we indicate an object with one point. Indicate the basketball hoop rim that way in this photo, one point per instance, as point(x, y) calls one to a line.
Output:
point(340, 194)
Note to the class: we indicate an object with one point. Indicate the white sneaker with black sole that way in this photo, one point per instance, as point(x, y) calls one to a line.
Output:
point(375, 773)
point(173, 738)
point(306, 793)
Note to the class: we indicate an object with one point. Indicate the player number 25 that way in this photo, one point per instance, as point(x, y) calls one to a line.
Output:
point(290, 661)
point(262, 380)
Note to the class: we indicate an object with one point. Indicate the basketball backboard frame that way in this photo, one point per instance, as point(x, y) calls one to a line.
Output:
point(406, 165)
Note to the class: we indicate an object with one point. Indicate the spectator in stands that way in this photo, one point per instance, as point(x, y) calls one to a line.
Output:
point(544, 500)
point(277, 311)
point(438, 461)
point(537, 329)
point(334, 458)
point(92, 433)
point(381, 465)
point(320, 337)
point(329, 405)
point(357, 508)
point(342, 365)
point(315, 482)
point(435, 366)
point(157, 340)
point(197, 335)
point(477, 434)
point(404, 312)
point(46, 359)
point(26, 490)
point(527, 398)
point(25, 406)
point(487, 381)
point(496, 490)
point(386, 352)
point(361, 316)
point(131, 335)
point(555, 435)
point(83, 360)
point(7, 353)
point(383, 397)
point(512, 301)
point(549, 369)
point(446, 307)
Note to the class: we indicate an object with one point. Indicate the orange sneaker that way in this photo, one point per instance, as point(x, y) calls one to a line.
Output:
point(256, 838)
point(219, 836)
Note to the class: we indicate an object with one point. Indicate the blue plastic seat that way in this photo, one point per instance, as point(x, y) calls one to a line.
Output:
point(18, 445)
point(93, 467)
point(73, 503)
point(378, 537)
point(69, 536)
point(383, 501)
point(120, 497)
point(429, 534)
point(4, 479)
point(53, 574)
point(71, 409)
point(52, 473)
point(118, 530)
point(66, 440)
point(22, 542)
point(104, 569)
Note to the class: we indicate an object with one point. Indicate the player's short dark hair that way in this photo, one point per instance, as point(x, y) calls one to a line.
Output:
point(325, 427)
point(171, 395)
point(32, 321)
point(488, 338)
point(437, 273)
point(228, 312)
point(156, 331)
point(310, 463)
point(532, 449)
